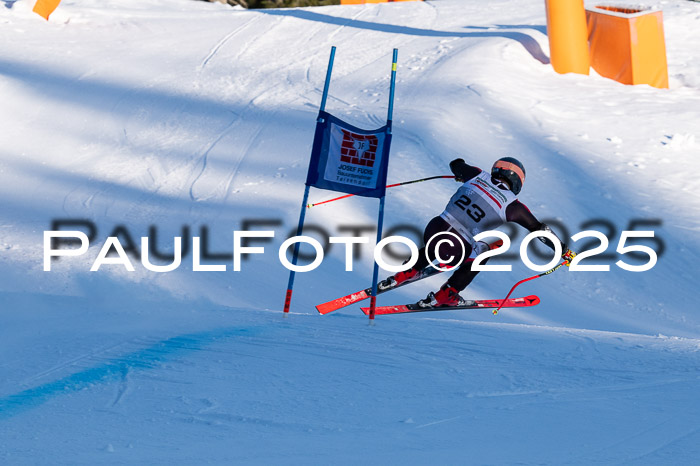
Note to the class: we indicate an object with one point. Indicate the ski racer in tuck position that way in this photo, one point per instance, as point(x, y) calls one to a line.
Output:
point(483, 202)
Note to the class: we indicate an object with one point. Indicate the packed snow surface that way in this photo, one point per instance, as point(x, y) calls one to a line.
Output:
point(177, 118)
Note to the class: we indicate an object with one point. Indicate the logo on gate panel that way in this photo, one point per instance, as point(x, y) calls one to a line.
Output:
point(359, 149)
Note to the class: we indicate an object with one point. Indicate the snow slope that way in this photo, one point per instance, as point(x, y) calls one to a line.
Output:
point(185, 114)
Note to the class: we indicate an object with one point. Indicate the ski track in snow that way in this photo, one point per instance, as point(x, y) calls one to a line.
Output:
point(214, 50)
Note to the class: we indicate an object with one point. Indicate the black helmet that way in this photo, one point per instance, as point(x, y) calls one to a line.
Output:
point(510, 170)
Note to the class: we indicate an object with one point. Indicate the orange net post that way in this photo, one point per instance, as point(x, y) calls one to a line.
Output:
point(45, 7)
point(627, 45)
point(568, 36)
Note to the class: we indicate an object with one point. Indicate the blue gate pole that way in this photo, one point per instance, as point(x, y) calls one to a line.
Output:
point(300, 227)
point(380, 221)
point(328, 79)
point(392, 87)
point(375, 275)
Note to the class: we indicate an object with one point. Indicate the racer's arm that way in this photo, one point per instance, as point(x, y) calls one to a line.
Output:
point(519, 213)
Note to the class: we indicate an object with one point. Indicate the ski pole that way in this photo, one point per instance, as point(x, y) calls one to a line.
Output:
point(527, 280)
point(388, 186)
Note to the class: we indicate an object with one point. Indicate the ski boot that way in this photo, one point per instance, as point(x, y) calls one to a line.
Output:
point(482, 246)
point(446, 296)
point(404, 276)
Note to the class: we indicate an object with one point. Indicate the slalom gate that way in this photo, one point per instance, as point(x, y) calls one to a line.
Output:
point(347, 159)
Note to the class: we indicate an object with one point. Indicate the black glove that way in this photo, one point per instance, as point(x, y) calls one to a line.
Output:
point(458, 166)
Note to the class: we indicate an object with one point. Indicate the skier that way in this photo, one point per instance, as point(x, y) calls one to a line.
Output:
point(483, 202)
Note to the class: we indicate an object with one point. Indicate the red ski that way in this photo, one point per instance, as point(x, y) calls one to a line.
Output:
point(361, 295)
point(526, 301)
point(338, 303)
point(352, 298)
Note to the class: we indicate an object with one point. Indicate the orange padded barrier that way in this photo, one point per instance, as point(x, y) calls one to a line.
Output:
point(360, 2)
point(568, 36)
point(627, 45)
point(45, 7)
